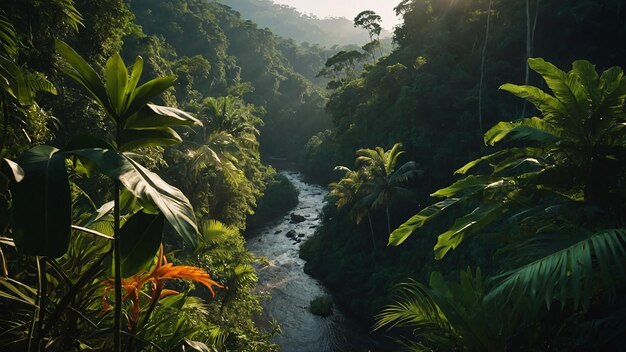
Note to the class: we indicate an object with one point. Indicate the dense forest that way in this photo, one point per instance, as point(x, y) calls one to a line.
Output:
point(476, 172)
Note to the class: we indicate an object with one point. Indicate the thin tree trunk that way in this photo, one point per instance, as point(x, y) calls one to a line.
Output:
point(388, 219)
point(528, 53)
point(530, 40)
point(482, 71)
point(369, 219)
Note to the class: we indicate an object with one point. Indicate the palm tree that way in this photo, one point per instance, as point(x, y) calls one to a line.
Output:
point(383, 180)
point(348, 191)
point(375, 183)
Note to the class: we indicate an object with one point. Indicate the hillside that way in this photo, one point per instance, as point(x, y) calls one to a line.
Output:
point(287, 22)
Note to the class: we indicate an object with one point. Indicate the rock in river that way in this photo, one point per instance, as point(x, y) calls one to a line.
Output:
point(295, 218)
point(291, 234)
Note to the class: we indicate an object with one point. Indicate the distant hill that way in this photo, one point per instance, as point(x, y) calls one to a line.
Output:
point(288, 22)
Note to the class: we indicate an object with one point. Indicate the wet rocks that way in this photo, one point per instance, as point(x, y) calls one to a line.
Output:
point(300, 235)
point(291, 234)
point(296, 219)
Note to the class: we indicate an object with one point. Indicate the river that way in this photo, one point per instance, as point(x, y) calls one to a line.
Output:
point(292, 290)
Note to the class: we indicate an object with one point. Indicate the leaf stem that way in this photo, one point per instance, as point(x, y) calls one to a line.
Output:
point(118, 271)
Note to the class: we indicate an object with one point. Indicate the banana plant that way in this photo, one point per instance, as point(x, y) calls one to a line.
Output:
point(561, 177)
point(42, 205)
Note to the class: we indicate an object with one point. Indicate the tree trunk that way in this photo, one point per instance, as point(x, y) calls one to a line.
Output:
point(369, 219)
point(530, 38)
point(388, 219)
point(482, 72)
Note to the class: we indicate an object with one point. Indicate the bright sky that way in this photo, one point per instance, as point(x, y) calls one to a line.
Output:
point(347, 8)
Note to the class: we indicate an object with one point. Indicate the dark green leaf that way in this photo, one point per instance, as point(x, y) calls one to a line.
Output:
point(146, 92)
point(469, 183)
point(84, 74)
point(139, 240)
point(157, 116)
point(116, 79)
point(418, 220)
point(162, 136)
point(42, 204)
point(475, 221)
point(531, 129)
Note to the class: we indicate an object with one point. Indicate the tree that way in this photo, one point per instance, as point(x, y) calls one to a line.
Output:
point(348, 191)
point(370, 21)
point(341, 67)
point(383, 181)
point(374, 183)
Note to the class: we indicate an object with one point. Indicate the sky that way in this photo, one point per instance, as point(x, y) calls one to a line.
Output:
point(347, 8)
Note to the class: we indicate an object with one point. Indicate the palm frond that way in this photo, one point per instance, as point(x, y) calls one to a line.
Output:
point(414, 308)
point(568, 274)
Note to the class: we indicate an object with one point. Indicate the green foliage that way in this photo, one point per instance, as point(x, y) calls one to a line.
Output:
point(570, 273)
point(139, 239)
point(577, 132)
point(279, 197)
point(374, 184)
point(554, 190)
point(446, 316)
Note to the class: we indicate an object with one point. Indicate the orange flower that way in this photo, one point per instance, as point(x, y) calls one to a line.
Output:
point(161, 272)
point(164, 270)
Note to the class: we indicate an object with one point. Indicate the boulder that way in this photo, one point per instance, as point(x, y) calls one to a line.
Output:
point(295, 218)
point(291, 234)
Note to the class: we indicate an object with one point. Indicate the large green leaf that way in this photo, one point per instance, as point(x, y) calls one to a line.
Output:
point(550, 107)
point(567, 274)
point(143, 94)
point(83, 73)
point(157, 136)
point(42, 204)
point(470, 183)
point(135, 75)
point(418, 220)
point(567, 88)
point(531, 129)
point(151, 116)
point(474, 221)
point(147, 187)
point(8, 37)
point(589, 79)
point(116, 79)
point(139, 240)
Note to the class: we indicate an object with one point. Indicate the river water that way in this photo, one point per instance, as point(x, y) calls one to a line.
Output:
point(292, 290)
